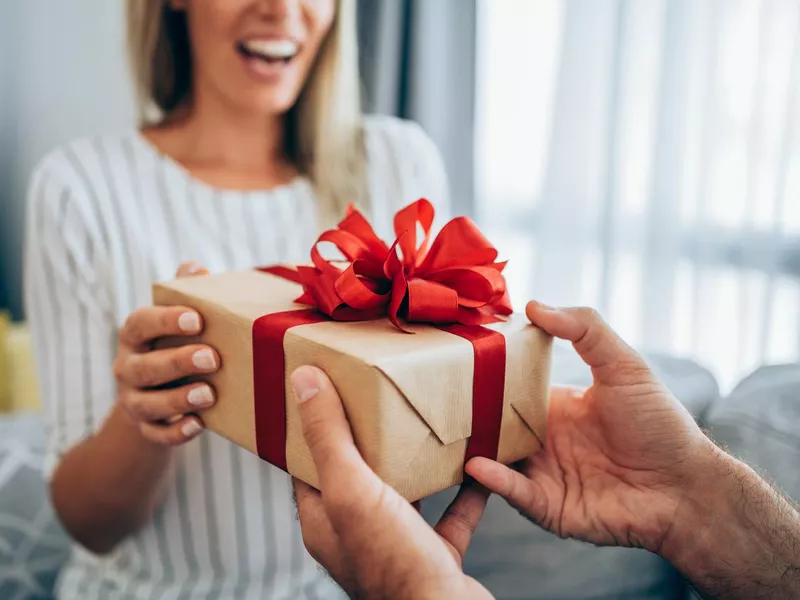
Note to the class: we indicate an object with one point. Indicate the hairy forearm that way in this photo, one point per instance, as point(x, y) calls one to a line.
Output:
point(737, 537)
point(107, 486)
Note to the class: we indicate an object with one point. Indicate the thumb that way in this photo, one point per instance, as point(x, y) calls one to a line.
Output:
point(326, 430)
point(191, 269)
point(596, 343)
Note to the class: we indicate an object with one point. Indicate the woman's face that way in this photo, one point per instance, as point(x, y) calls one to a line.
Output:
point(256, 53)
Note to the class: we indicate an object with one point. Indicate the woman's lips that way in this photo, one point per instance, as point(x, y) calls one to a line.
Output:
point(268, 60)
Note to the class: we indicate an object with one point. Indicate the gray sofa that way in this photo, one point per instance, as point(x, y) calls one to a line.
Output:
point(759, 422)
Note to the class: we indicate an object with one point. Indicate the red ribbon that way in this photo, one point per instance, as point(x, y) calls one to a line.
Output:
point(269, 380)
point(455, 284)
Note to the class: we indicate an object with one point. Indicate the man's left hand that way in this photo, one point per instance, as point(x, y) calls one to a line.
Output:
point(371, 540)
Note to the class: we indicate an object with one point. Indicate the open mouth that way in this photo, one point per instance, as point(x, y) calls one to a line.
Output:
point(269, 51)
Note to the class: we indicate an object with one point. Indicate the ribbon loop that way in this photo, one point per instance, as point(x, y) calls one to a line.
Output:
point(454, 279)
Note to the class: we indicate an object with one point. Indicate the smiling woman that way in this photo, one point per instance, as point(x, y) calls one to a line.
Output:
point(251, 140)
point(306, 72)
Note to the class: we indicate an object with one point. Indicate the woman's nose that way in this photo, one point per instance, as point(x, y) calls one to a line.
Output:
point(278, 9)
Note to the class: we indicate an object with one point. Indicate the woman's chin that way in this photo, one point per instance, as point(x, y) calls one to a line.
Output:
point(268, 104)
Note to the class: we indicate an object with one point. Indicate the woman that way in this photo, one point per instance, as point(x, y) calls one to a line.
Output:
point(253, 142)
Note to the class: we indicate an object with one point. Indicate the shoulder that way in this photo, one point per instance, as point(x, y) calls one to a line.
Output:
point(70, 184)
point(78, 166)
point(402, 157)
point(84, 170)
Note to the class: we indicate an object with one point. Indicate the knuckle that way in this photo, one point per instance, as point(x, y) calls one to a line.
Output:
point(149, 433)
point(132, 329)
point(133, 405)
point(143, 406)
point(140, 371)
point(459, 519)
point(177, 363)
point(119, 368)
point(590, 315)
point(124, 399)
point(167, 320)
point(510, 487)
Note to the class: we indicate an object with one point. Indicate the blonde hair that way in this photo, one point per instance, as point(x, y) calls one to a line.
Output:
point(323, 129)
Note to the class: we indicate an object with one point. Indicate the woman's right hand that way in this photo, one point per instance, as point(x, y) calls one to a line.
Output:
point(147, 379)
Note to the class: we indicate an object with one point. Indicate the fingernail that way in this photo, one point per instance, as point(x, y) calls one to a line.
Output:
point(544, 307)
point(204, 360)
point(200, 396)
point(191, 429)
point(193, 268)
point(305, 384)
point(189, 322)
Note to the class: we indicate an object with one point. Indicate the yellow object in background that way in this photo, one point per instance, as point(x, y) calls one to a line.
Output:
point(4, 372)
point(18, 387)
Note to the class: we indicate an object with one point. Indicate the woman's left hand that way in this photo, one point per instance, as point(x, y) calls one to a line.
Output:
point(373, 542)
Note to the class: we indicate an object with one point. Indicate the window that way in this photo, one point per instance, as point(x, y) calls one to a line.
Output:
point(643, 156)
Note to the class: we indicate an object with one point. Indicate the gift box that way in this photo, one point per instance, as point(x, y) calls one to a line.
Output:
point(418, 339)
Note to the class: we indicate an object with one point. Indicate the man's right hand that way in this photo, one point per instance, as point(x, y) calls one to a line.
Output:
point(625, 464)
point(619, 459)
point(147, 379)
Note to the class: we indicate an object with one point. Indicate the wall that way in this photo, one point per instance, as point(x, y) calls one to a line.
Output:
point(63, 74)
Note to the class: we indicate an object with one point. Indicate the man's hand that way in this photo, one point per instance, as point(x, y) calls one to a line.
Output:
point(619, 459)
point(625, 464)
point(373, 542)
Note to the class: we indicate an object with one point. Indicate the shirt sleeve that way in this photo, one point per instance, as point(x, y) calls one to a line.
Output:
point(68, 306)
point(404, 165)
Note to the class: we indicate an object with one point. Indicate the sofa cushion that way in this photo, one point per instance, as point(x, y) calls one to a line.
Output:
point(33, 545)
point(760, 424)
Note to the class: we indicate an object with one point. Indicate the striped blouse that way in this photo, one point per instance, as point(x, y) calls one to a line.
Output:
point(109, 216)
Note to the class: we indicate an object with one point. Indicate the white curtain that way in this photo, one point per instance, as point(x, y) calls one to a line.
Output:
point(643, 157)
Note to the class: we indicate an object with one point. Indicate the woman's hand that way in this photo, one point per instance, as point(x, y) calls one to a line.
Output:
point(619, 460)
point(149, 381)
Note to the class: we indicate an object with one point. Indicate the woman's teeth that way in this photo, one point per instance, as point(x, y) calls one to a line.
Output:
point(271, 50)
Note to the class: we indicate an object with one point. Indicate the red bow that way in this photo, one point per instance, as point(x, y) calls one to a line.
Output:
point(455, 280)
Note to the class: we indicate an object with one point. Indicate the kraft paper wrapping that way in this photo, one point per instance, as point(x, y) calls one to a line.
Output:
point(408, 397)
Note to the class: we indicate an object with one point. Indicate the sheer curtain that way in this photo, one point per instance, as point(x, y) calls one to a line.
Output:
point(643, 157)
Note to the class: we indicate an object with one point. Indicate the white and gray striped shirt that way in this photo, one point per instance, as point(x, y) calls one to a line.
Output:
point(109, 216)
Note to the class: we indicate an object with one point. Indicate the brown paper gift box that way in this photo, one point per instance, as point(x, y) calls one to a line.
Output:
point(408, 397)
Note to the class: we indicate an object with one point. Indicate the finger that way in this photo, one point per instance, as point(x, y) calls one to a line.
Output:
point(596, 343)
point(157, 405)
point(159, 367)
point(191, 269)
point(319, 536)
point(173, 434)
point(304, 493)
point(147, 324)
point(459, 521)
point(326, 430)
point(313, 520)
point(516, 489)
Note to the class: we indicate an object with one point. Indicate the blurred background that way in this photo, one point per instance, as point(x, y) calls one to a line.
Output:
point(638, 156)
